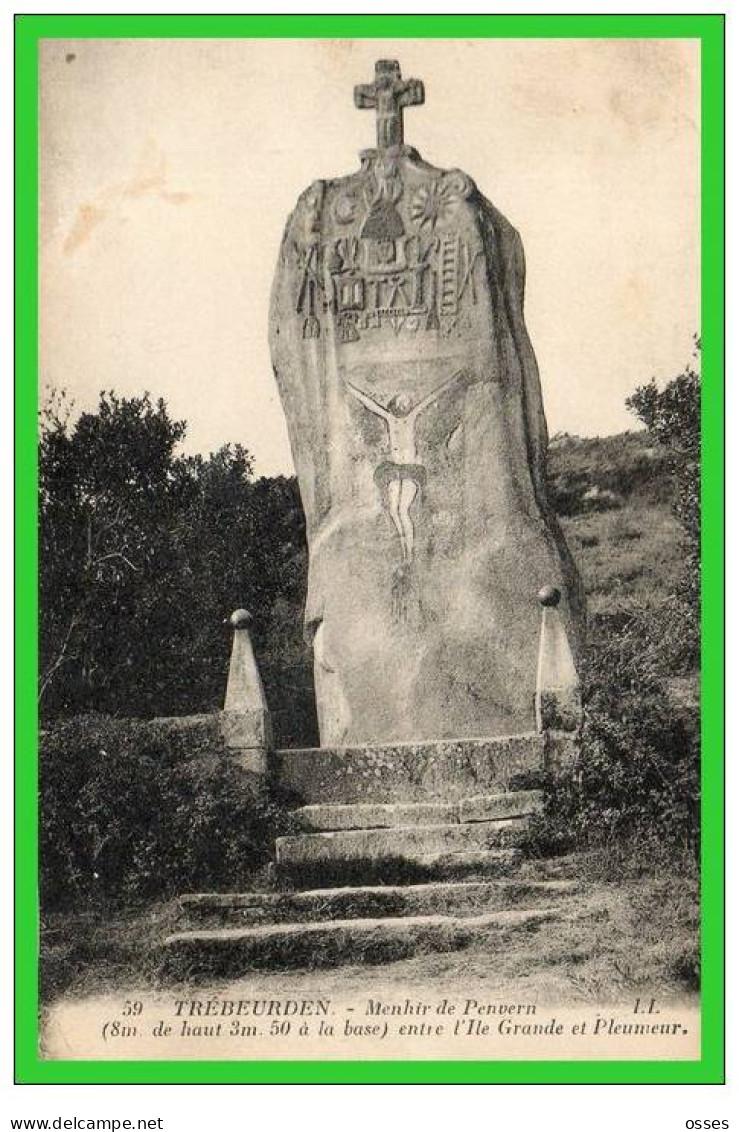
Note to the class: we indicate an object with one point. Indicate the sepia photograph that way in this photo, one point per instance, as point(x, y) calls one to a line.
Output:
point(369, 549)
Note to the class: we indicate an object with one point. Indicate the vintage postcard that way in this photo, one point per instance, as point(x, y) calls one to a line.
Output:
point(371, 380)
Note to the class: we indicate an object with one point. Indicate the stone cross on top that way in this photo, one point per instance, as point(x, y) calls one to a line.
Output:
point(389, 94)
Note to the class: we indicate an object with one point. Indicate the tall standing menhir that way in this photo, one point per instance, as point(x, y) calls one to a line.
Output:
point(442, 603)
point(415, 415)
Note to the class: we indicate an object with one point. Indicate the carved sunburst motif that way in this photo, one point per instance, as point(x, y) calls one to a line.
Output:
point(434, 203)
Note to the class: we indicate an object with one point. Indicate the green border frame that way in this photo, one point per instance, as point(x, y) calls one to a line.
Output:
point(709, 29)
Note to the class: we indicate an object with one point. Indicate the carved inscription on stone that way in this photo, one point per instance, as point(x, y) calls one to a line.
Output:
point(388, 259)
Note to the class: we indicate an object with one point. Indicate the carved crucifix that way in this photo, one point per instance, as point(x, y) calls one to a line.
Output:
point(402, 472)
point(389, 94)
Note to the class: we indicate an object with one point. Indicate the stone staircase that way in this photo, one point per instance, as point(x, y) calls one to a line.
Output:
point(415, 837)
point(402, 849)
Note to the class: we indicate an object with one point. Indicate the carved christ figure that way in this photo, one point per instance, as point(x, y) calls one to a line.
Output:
point(402, 474)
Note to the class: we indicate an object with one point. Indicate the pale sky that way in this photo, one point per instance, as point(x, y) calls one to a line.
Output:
point(169, 168)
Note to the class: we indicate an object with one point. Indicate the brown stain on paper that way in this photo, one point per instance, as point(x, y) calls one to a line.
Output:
point(150, 180)
point(87, 219)
point(635, 298)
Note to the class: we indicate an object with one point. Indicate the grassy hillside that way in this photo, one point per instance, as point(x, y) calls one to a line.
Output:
point(613, 495)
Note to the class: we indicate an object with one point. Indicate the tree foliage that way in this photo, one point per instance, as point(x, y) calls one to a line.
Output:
point(144, 553)
point(672, 416)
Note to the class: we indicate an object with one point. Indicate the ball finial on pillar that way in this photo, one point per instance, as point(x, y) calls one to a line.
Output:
point(557, 699)
point(240, 619)
point(246, 724)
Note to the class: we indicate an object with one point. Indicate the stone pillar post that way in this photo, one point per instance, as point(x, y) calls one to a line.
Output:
point(558, 702)
point(246, 725)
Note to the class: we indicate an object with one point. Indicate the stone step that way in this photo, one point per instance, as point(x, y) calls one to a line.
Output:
point(397, 855)
point(230, 952)
point(422, 868)
point(400, 842)
point(381, 815)
point(247, 909)
point(490, 807)
point(416, 772)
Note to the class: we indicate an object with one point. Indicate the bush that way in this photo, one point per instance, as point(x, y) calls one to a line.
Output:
point(134, 811)
point(638, 775)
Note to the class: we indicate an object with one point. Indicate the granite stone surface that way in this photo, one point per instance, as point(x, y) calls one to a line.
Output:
point(415, 416)
point(419, 772)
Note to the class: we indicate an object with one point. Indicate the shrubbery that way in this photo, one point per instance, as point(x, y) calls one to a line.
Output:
point(144, 552)
point(134, 810)
point(637, 777)
point(639, 773)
